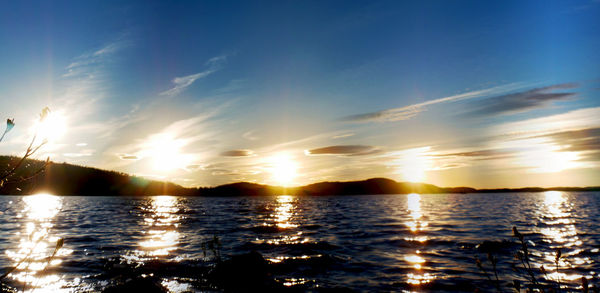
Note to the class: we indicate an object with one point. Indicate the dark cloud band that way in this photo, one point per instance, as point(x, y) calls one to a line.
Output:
point(348, 150)
point(237, 153)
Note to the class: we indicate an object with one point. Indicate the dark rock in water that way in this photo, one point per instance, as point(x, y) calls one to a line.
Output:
point(244, 273)
point(495, 246)
point(309, 265)
point(139, 284)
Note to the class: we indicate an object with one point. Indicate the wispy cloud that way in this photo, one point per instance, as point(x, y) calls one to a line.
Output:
point(553, 143)
point(522, 101)
point(479, 155)
point(411, 162)
point(181, 83)
point(347, 150)
point(81, 64)
point(76, 94)
point(572, 120)
point(174, 146)
point(343, 135)
point(250, 135)
point(410, 111)
point(578, 140)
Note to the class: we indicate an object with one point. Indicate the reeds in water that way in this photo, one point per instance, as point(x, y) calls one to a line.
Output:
point(526, 280)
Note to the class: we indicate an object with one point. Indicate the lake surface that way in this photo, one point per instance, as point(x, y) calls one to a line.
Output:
point(365, 243)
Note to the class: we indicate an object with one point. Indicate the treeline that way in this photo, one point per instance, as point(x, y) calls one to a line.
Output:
point(67, 179)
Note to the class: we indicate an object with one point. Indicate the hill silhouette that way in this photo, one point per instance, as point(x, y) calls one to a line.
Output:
point(68, 179)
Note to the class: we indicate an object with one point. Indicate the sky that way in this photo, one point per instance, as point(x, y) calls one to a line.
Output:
point(453, 93)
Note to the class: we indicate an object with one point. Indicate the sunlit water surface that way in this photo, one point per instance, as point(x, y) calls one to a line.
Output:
point(374, 242)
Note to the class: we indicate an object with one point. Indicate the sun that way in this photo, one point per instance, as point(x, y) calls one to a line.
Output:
point(414, 173)
point(53, 127)
point(413, 164)
point(283, 169)
point(165, 151)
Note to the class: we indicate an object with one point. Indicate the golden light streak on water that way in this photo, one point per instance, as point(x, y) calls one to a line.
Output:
point(282, 217)
point(556, 213)
point(284, 212)
point(414, 208)
point(162, 222)
point(279, 259)
point(417, 225)
point(419, 279)
point(416, 260)
point(294, 281)
point(37, 249)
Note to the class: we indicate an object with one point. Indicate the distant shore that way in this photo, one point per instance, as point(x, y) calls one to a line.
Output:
point(67, 179)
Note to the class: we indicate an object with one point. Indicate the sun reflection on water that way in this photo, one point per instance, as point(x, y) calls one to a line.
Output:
point(414, 207)
point(38, 249)
point(162, 222)
point(417, 225)
point(284, 212)
point(280, 217)
point(559, 231)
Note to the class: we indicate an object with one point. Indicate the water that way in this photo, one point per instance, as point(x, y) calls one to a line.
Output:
point(365, 243)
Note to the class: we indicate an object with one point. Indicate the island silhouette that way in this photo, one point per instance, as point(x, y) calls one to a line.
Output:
point(69, 179)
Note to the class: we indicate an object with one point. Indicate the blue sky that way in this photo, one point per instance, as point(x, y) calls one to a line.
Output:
point(476, 93)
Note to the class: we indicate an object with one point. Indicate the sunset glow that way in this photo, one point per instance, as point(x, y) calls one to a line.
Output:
point(448, 109)
point(302, 146)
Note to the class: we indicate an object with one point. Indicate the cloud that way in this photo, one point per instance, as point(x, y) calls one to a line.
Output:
point(578, 140)
point(81, 63)
point(486, 154)
point(128, 157)
point(168, 143)
point(347, 150)
point(572, 120)
point(343, 135)
point(237, 153)
point(250, 135)
point(82, 87)
point(223, 172)
point(172, 147)
point(408, 112)
point(193, 167)
point(181, 83)
point(553, 143)
point(522, 101)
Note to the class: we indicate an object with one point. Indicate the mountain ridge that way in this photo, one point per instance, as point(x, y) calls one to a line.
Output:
point(69, 179)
